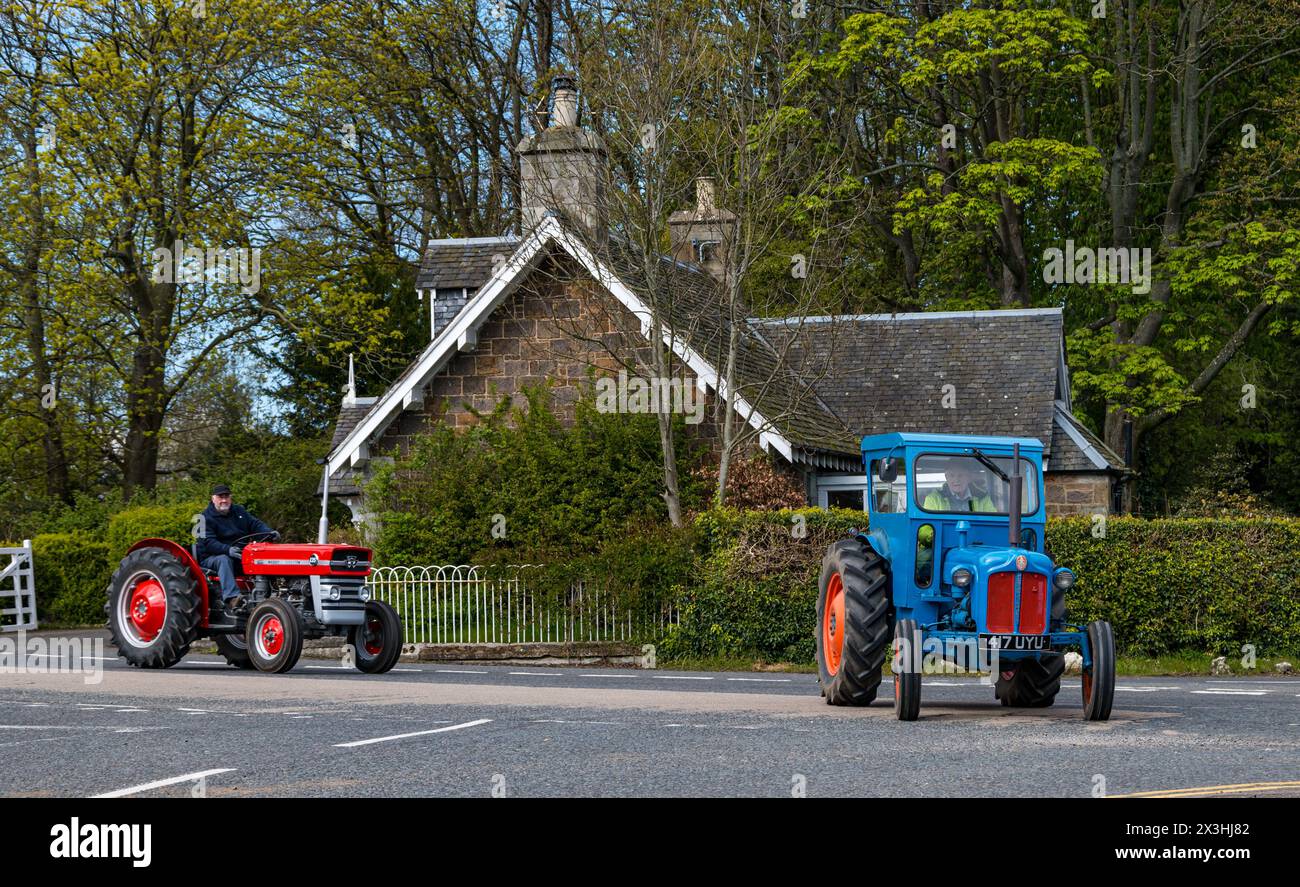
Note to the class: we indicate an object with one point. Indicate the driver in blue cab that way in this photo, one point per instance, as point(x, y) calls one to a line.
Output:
point(226, 526)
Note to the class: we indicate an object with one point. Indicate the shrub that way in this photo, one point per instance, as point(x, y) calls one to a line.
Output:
point(72, 574)
point(174, 522)
point(559, 490)
point(1169, 585)
point(756, 589)
point(1194, 584)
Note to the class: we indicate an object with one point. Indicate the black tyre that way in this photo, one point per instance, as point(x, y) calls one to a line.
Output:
point(153, 608)
point(274, 636)
point(852, 622)
point(235, 648)
point(907, 670)
point(377, 644)
point(1033, 683)
point(1099, 678)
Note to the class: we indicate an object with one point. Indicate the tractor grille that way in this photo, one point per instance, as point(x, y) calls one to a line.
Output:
point(1033, 603)
point(349, 593)
point(1002, 602)
point(1001, 617)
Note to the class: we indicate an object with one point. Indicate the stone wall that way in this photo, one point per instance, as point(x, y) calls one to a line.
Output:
point(553, 328)
point(1083, 493)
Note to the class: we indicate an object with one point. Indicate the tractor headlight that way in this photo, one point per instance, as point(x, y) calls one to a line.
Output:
point(364, 594)
point(1064, 579)
point(961, 577)
point(334, 594)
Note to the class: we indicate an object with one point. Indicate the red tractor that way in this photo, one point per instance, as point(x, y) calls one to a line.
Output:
point(160, 601)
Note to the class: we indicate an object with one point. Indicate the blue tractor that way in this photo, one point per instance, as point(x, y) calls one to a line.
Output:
point(953, 570)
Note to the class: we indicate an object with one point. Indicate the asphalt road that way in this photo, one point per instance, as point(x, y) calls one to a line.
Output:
point(435, 730)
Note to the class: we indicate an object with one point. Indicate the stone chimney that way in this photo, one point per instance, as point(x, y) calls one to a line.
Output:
point(564, 168)
point(703, 236)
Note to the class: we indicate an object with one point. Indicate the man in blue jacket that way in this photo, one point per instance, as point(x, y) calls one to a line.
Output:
point(225, 529)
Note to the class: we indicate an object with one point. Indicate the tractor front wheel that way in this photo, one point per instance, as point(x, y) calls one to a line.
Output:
point(274, 636)
point(235, 648)
point(153, 608)
point(377, 644)
point(1099, 677)
point(907, 670)
point(852, 622)
point(1031, 683)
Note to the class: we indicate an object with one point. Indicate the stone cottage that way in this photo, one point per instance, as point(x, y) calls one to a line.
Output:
point(566, 298)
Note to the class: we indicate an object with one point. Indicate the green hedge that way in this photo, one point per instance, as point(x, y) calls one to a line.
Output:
point(755, 591)
point(1203, 584)
point(174, 522)
point(72, 574)
point(1166, 585)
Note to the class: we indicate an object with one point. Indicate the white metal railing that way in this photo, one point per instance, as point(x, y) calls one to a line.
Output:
point(17, 589)
point(471, 604)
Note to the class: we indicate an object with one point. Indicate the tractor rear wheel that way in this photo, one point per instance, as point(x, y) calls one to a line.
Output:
point(1033, 683)
point(1099, 678)
point(852, 622)
point(153, 608)
point(274, 636)
point(235, 648)
point(377, 644)
point(907, 670)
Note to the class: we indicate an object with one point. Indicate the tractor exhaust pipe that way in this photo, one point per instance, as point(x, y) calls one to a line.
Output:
point(1017, 484)
point(322, 534)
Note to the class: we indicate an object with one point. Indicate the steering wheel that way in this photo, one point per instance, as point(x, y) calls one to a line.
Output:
point(240, 541)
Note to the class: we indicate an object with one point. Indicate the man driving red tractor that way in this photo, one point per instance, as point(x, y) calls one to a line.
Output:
point(224, 529)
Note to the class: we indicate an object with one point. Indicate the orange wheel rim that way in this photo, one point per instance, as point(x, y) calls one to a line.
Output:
point(1087, 687)
point(833, 624)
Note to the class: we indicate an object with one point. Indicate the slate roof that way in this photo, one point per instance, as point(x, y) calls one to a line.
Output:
point(882, 373)
point(461, 263)
point(824, 383)
point(691, 303)
point(1067, 455)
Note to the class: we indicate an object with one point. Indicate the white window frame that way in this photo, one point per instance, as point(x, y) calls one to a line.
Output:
point(840, 483)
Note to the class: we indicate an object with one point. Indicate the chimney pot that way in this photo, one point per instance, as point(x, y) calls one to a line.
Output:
point(564, 105)
point(705, 197)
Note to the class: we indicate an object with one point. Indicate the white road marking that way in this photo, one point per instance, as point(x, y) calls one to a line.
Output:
point(1142, 689)
point(679, 677)
point(608, 676)
point(1212, 681)
point(457, 671)
point(540, 674)
point(1230, 692)
point(409, 735)
point(763, 680)
point(162, 783)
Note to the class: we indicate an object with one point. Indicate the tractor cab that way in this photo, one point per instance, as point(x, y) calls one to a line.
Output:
point(942, 516)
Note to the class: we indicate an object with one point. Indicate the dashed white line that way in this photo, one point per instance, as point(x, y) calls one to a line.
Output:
point(1226, 692)
point(162, 783)
point(360, 742)
point(763, 680)
point(680, 677)
point(609, 676)
point(539, 674)
point(457, 671)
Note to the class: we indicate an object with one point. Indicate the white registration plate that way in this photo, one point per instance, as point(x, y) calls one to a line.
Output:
point(1014, 641)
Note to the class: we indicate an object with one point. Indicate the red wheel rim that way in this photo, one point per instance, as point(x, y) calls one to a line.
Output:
point(143, 609)
point(1087, 687)
point(374, 642)
point(270, 635)
point(833, 624)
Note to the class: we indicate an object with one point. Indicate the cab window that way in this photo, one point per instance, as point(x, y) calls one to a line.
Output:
point(888, 486)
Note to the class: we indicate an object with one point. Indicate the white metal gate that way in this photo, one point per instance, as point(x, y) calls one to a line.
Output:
point(17, 589)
